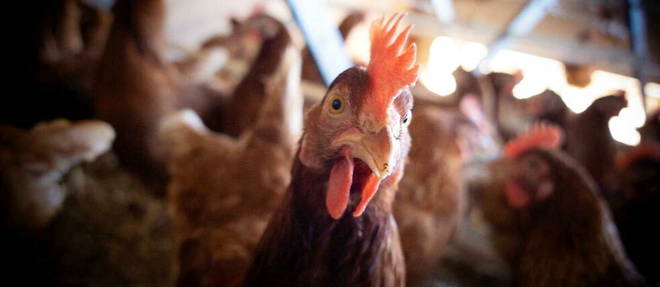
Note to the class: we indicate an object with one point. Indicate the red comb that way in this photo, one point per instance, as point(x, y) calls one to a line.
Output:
point(541, 135)
point(391, 67)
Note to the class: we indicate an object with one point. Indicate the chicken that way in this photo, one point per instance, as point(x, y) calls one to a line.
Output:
point(431, 199)
point(33, 164)
point(351, 158)
point(547, 107)
point(638, 169)
point(241, 111)
point(135, 86)
point(650, 132)
point(590, 143)
point(64, 41)
point(223, 189)
point(549, 221)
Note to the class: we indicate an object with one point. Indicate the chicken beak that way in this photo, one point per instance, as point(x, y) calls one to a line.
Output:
point(377, 150)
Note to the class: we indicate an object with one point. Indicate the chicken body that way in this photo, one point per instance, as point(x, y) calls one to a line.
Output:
point(350, 161)
point(590, 143)
point(223, 189)
point(135, 86)
point(563, 233)
point(33, 163)
point(242, 109)
point(640, 185)
point(431, 200)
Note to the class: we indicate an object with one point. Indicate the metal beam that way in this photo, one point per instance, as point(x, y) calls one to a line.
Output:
point(639, 44)
point(322, 37)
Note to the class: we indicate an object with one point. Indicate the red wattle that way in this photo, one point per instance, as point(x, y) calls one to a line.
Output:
point(339, 187)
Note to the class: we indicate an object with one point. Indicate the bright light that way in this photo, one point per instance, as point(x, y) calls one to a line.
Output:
point(438, 82)
point(445, 55)
point(539, 73)
point(528, 88)
point(622, 132)
point(652, 90)
point(358, 43)
point(471, 54)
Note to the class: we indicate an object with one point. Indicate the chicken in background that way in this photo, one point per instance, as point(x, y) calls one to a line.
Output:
point(548, 107)
point(135, 85)
point(223, 189)
point(335, 225)
point(73, 40)
point(589, 141)
point(431, 199)
point(549, 220)
point(638, 174)
point(309, 71)
point(243, 107)
point(65, 40)
point(650, 131)
point(33, 164)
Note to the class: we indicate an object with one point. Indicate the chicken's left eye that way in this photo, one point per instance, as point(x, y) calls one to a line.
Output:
point(406, 118)
point(337, 105)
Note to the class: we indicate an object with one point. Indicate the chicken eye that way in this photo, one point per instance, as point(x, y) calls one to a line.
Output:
point(406, 118)
point(337, 105)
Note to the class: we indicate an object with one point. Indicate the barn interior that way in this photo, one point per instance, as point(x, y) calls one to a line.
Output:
point(161, 143)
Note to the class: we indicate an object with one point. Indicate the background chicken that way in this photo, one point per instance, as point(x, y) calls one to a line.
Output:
point(57, 62)
point(589, 141)
point(549, 220)
point(135, 86)
point(431, 201)
point(33, 164)
point(223, 189)
point(351, 158)
point(638, 169)
point(243, 108)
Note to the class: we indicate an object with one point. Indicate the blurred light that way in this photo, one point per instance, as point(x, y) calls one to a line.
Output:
point(358, 43)
point(577, 99)
point(445, 55)
point(438, 82)
point(471, 55)
point(622, 132)
point(528, 88)
point(539, 73)
point(652, 90)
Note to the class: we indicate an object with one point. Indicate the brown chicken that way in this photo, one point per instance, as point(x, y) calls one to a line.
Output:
point(590, 143)
point(33, 164)
point(638, 172)
point(547, 107)
point(351, 158)
point(57, 62)
point(549, 221)
point(223, 189)
point(242, 110)
point(431, 199)
point(135, 86)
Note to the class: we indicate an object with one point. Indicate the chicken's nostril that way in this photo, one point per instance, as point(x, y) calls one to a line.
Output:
point(370, 126)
